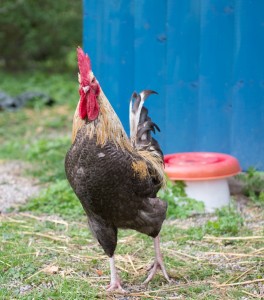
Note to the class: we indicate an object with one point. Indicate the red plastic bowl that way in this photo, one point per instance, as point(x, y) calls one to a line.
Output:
point(200, 166)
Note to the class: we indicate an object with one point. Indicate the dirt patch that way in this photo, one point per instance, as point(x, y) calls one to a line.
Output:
point(15, 188)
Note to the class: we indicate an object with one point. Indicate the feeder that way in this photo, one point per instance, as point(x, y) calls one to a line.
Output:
point(205, 175)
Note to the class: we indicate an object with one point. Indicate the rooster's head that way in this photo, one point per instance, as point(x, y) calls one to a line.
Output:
point(89, 88)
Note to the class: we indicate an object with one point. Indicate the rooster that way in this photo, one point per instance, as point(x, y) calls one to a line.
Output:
point(116, 178)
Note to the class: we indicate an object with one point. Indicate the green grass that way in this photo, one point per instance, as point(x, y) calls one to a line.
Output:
point(200, 251)
point(39, 136)
point(62, 88)
point(57, 199)
point(31, 243)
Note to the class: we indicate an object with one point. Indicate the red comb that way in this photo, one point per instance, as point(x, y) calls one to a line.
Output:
point(84, 64)
point(89, 90)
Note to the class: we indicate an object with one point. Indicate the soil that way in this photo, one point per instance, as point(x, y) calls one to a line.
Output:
point(15, 187)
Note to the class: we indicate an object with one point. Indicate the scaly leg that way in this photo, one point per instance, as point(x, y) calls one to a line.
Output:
point(158, 263)
point(115, 283)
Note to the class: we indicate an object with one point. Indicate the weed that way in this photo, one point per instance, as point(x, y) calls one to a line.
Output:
point(254, 185)
point(179, 205)
point(228, 222)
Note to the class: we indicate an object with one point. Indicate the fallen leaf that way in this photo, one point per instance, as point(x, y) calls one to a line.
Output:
point(51, 270)
point(99, 272)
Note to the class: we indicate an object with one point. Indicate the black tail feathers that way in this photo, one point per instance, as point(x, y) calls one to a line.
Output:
point(141, 125)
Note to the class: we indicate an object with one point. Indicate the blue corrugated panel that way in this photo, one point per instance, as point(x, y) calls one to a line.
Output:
point(205, 58)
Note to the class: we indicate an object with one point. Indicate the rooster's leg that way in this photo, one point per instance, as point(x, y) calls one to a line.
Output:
point(158, 263)
point(115, 283)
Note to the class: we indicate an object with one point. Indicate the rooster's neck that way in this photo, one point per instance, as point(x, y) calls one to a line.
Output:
point(107, 127)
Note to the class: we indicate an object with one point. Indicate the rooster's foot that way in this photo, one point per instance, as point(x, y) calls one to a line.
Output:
point(115, 283)
point(115, 286)
point(158, 263)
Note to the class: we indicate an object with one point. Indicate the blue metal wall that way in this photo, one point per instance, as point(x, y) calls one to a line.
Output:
point(204, 57)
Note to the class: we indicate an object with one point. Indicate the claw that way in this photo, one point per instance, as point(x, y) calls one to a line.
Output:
point(115, 286)
point(157, 265)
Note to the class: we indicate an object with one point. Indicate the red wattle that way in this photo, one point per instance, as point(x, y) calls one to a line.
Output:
point(83, 104)
point(92, 107)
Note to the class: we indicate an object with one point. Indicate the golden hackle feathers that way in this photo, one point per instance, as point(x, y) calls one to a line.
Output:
point(154, 159)
point(107, 127)
point(140, 168)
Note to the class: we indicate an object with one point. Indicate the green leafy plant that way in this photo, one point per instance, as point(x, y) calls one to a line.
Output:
point(228, 222)
point(179, 205)
point(254, 185)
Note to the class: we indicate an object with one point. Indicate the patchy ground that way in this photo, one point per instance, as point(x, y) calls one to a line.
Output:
point(15, 188)
point(44, 256)
point(59, 258)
